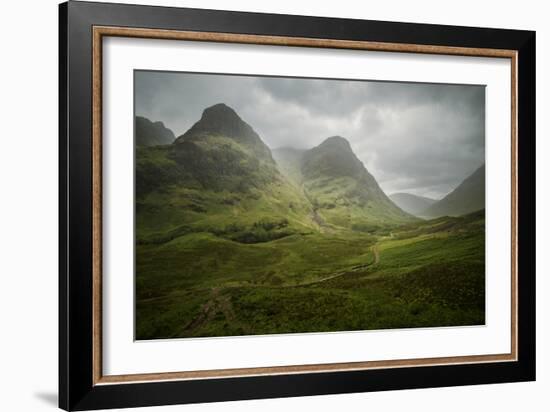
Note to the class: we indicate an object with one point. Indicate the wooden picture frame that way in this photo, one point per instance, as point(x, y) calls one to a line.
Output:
point(82, 384)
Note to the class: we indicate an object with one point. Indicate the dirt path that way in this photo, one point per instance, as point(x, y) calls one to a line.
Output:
point(337, 275)
point(317, 219)
point(216, 304)
point(376, 255)
point(375, 251)
point(206, 313)
point(320, 222)
point(314, 215)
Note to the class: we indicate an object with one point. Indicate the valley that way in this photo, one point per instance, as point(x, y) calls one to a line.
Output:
point(233, 238)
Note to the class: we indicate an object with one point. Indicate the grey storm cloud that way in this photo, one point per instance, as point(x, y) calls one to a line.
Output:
point(413, 137)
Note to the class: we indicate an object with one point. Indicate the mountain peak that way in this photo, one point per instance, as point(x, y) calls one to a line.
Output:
point(336, 142)
point(334, 157)
point(343, 189)
point(218, 111)
point(222, 120)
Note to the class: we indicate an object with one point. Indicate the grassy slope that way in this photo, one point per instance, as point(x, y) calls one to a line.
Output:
point(180, 204)
point(342, 203)
point(427, 274)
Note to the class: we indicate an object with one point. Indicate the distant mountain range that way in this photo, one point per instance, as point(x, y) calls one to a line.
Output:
point(467, 197)
point(220, 177)
point(152, 134)
point(412, 204)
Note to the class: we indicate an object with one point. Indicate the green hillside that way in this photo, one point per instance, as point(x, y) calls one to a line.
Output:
point(214, 181)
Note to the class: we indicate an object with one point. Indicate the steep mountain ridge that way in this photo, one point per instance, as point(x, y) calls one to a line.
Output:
point(343, 191)
point(150, 133)
point(467, 197)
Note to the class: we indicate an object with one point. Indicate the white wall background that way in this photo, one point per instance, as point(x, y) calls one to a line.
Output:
point(28, 203)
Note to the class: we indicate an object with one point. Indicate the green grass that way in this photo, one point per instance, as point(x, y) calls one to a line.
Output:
point(200, 284)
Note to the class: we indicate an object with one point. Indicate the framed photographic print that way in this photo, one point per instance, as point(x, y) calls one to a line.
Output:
point(257, 205)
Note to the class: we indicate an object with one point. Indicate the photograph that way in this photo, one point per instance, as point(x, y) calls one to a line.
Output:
point(275, 205)
point(283, 205)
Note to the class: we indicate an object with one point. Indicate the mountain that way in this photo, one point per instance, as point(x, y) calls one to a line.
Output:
point(221, 120)
point(219, 177)
point(222, 151)
point(410, 203)
point(342, 190)
point(152, 134)
point(469, 196)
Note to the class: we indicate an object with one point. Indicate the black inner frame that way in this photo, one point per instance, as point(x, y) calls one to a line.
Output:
point(76, 388)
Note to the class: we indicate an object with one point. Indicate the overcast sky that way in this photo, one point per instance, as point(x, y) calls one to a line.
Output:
point(417, 138)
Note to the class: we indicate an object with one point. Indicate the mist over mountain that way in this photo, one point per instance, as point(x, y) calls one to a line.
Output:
point(150, 133)
point(412, 204)
point(399, 122)
point(289, 161)
point(467, 197)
